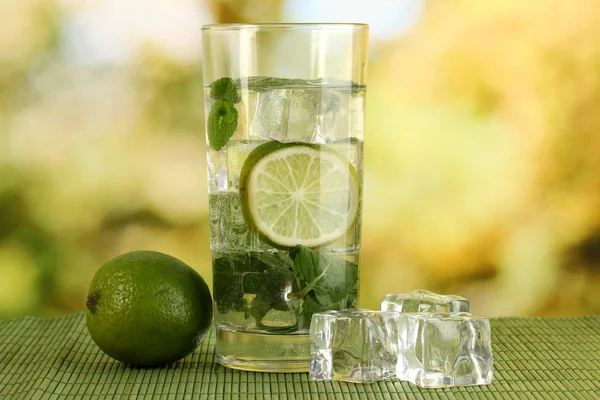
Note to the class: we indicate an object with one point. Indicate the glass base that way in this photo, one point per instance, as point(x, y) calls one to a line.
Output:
point(263, 352)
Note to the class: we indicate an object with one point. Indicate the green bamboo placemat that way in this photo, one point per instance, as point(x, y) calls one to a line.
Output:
point(556, 358)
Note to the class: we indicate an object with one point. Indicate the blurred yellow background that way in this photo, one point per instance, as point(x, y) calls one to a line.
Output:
point(482, 164)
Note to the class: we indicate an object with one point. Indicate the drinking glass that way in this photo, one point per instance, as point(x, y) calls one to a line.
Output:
point(284, 108)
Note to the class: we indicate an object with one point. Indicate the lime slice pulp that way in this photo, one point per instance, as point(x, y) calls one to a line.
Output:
point(298, 194)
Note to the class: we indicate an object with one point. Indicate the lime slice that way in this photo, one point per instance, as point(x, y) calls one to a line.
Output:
point(298, 194)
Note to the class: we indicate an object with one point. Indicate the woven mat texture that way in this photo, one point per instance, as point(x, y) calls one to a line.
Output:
point(549, 358)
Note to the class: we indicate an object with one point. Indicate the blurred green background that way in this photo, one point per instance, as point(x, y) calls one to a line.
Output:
point(482, 164)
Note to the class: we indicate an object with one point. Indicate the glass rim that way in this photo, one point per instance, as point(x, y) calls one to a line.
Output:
point(275, 26)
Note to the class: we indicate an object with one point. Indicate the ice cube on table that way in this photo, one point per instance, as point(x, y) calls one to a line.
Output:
point(424, 301)
point(354, 345)
point(444, 350)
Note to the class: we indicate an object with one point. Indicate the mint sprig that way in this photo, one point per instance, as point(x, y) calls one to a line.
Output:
point(225, 88)
point(223, 117)
point(222, 121)
point(329, 278)
point(265, 83)
point(320, 282)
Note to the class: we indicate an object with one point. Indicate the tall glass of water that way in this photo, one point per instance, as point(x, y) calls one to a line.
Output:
point(284, 108)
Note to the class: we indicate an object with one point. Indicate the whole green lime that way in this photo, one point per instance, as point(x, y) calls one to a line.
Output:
point(148, 309)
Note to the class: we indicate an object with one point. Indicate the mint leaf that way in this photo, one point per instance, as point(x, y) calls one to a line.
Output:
point(222, 121)
point(224, 88)
point(267, 290)
point(280, 260)
point(223, 117)
point(258, 309)
point(264, 83)
point(310, 306)
point(331, 279)
point(228, 270)
point(239, 263)
point(227, 291)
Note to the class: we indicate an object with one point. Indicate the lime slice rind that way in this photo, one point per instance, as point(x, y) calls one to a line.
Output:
point(298, 194)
